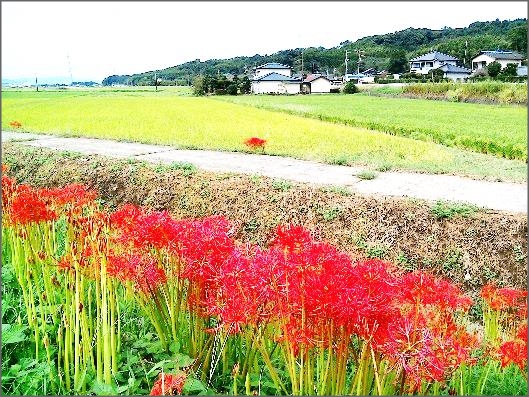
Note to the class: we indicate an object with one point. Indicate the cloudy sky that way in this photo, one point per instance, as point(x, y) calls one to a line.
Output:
point(92, 40)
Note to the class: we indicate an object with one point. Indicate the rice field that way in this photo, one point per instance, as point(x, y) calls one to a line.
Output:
point(167, 117)
point(496, 129)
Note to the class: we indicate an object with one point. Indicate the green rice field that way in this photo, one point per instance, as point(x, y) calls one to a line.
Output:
point(496, 129)
point(171, 118)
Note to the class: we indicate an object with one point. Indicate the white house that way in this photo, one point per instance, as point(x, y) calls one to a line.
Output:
point(272, 67)
point(317, 83)
point(432, 60)
point(275, 83)
point(360, 78)
point(455, 73)
point(502, 57)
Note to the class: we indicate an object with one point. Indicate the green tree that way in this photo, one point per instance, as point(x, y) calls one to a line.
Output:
point(231, 89)
point(493, 69)
point(199, 87)
point(397, 62)
point(517, 37)
point(245, 86)
point(509, 70)
point(350, 88)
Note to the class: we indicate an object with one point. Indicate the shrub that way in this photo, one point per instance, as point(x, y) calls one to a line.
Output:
point(350, 88)
point(493, 69)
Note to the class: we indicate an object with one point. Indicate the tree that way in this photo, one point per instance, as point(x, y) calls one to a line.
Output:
point(510, 70)
point(350, 88)
point(517, 37)
point(397, 62)
point(493, 69)
point(437, 74)
point(199, 85)
point(245, 86)
point(231, 89)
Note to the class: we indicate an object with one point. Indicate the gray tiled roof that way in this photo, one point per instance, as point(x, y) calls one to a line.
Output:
point(276, 77)
point(273, 65)
point(434, 55)
point(507, 55)
point(454, 69)
point(311, 78)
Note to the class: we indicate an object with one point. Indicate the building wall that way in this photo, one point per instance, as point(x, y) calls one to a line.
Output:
point(264, 71)
point(424, 67)
point(483, 60)
point(455, 76)
point(320, 85)
point(293, 88)
point(277, 87)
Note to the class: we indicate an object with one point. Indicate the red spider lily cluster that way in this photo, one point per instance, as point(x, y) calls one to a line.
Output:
point(508, 310)
point(304, 295)
point(169, 384)
point(255, 143)
point(15, 124)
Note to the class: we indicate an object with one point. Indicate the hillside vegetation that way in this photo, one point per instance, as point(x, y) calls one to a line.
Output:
point(389, 51)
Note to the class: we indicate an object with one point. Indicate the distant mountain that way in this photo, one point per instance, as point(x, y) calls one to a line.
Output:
point(389, 51)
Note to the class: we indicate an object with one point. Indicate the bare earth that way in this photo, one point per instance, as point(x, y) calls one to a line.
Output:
point(500, 196)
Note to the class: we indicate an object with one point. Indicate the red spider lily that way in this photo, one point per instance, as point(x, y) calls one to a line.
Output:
point(142, 270)
point(26, 207)
point(15, 124)
point(514, 351)
point(142, 230)
point(291, 238)
point(421, 288)
point(75, 193)
point(428, 346)
point(169, 384)
point(9, 188)
point(366, 303)
point(504, 298)
point(255, 143)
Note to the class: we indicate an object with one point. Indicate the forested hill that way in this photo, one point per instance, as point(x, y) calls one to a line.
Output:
point(383, 52)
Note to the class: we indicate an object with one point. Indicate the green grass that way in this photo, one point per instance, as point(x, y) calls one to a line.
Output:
point(203, 123)
point(496, 129)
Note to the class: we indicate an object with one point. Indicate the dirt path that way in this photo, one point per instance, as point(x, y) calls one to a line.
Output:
point(492, 195)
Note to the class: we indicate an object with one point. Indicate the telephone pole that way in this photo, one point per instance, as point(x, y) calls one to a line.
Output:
point(346, 60)
point(360, 53)
point(302, 65)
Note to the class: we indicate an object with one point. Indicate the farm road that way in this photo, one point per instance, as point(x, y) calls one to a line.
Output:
point(500, 196)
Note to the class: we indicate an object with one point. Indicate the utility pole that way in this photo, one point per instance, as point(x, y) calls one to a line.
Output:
point(360, 53)
point(465, 58)
point(155, 81)
point(36, 83)
point(301, 65)
point(346, 60)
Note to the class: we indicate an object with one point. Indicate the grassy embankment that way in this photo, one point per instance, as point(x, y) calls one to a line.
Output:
point(164, 117)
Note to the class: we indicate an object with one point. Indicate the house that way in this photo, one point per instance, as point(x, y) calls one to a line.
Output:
point(502, 57)
point(275, 83)
point(456, 73)
point(272, 67)
point(318, 83)
point(359, 78)
point(432, 60)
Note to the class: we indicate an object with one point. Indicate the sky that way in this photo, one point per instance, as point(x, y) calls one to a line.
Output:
point(84, 41)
